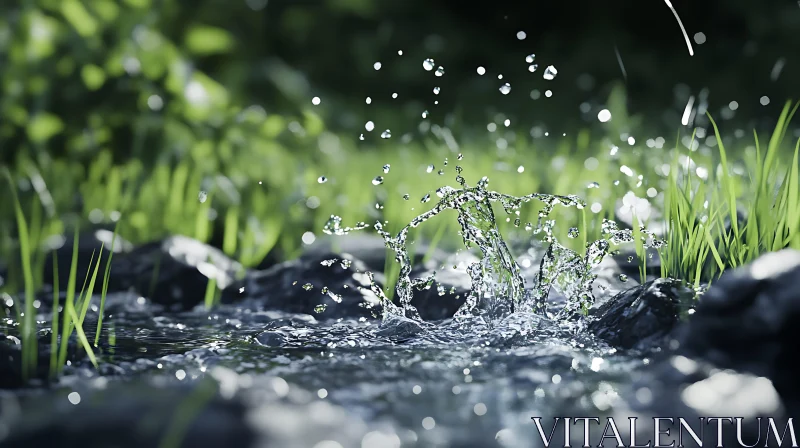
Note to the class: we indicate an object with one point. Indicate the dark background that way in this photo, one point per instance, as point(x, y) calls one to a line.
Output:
point(284, 52)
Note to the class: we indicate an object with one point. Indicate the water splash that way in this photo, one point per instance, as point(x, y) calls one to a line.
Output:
point(498, 288)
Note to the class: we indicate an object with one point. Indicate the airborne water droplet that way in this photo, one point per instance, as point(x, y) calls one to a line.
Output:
point(550, 73)
point(430, 168)
point(386, 168)
point(623, 278)
point(505, 89)
point(378, 180)
point(425, 198)
point(439, 71)
point(308, 286)
point(533, 67)
point(593, 185)
point(436, 90)
point(322, 179)
point(425, 114)
point(573, 232)
point(530, 58)
point(406, 196)
point(427, 64)
point(386, 134)
point(319, 309)
point(202, 196)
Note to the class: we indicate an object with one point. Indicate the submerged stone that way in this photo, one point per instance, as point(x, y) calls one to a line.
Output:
point(641, 316)
point(748, 319)
point(338, 283)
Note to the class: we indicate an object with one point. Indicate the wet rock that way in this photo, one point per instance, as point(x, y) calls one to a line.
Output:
point(629, 263)
point(11, 361)
point(175, 272)
point(748, 319)
point(88, 243)
point(642, 316)
point(371, 250)
point(680, 387)
point(449, 289)
point(298, 286)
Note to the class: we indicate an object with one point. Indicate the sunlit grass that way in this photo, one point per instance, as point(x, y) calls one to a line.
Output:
point(705, 234)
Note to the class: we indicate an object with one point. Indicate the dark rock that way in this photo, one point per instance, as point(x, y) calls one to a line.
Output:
point(449, 290)
point(677, 386)
point(88, 243)
point(175, 272)
point(748, 319)
point(11, 361)
point(282, 287)
point(640, 317)
point(371, 250)
point(629, 262)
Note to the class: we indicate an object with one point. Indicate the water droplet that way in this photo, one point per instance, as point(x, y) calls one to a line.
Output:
point(530, 58)
point(319, 309)
point(394, 95)
point(630, 258)
point(322, 179)
point(439, 71)
point(369, 100)
point(369, 126)
point(550, 73)
point(428, 64)
point(377, 66)
point(573, 232)
point(460, 156)
point(361, 137)
point(436, 90)
point(441, 172)
point(424, 114)
point(425, 198)
point(604, 115)
point(202, 196)
point(623, 278)
point(378, 180)
point(533, 67)
point(481, 71)
point(505, 89)
point(386, 134)
point(386, 168)
point(308, 286)
point(593, 185)
point(430, 168)
point(406, 196)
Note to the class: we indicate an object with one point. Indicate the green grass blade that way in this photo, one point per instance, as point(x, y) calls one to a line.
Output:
point(69, 304)
point(54, 329)
point(29, 341)
point(104, 291)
